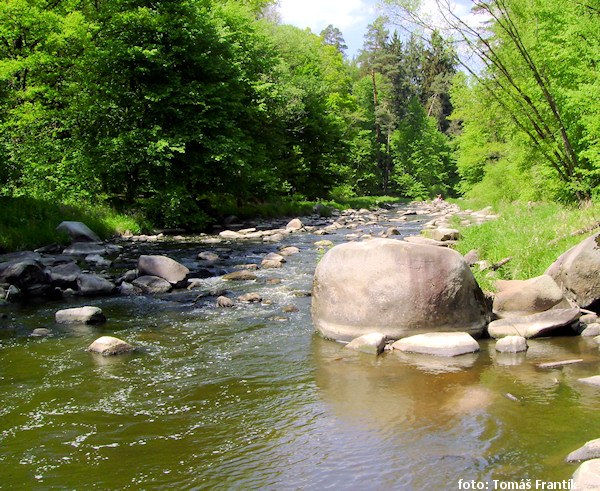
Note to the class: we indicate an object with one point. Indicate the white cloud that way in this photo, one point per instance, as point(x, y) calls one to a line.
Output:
point(318, 14)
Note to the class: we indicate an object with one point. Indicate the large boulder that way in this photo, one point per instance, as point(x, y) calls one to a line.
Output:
point(577, 271)
point(591, 450)
point(525, 297)
point(395, 288)
point(65, 275)
point(152, 284)
point(28, 275)
point(163, 267)
point(78, 232)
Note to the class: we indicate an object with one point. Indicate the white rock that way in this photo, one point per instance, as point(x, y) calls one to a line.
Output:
point(80, 315)
point(109, 345)
point(372, 343)
point(438, 343)
point(587, 475)
point(511, 344)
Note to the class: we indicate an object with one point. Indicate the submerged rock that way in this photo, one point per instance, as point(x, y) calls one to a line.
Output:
point(109, 345)
point(243, 275)
point(395, 288)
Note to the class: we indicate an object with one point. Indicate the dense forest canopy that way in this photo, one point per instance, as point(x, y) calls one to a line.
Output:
point(173, 106)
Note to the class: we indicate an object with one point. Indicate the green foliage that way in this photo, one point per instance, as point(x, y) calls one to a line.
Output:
point(28, 223)
point(524, 232)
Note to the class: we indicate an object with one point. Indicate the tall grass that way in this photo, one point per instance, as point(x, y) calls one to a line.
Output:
point(27, 223)
point(525, 232)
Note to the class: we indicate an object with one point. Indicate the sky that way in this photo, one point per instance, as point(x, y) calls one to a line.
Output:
point(350, 16)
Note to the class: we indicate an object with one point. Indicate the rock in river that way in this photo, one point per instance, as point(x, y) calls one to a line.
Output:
point(164, 267)
point(80, 315)
point(536, 325)
point(395, 288)
point(438, 343)
point(78, 232)
point(109, 345)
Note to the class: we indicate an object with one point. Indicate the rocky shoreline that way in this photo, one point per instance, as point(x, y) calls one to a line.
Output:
point(553, 304)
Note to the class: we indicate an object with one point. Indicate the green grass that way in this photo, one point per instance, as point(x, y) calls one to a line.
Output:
point(27, 223)
point(524, 231)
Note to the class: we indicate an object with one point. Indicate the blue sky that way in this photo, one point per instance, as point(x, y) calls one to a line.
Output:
point(350, 16)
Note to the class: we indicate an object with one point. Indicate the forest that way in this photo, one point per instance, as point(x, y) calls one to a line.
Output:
point(177, 107)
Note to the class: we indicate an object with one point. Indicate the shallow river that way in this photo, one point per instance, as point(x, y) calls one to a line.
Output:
point(242, 399)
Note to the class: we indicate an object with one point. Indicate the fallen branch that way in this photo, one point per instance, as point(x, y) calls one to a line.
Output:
point(581, 231)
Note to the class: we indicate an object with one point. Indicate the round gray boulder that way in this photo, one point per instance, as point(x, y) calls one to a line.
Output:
point(577, 272)
point(395, 288)
point(163, 267)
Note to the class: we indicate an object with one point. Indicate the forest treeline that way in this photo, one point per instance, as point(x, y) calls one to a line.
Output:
point(177, 106)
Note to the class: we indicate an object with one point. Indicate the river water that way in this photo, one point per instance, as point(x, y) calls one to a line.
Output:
point(244, 399)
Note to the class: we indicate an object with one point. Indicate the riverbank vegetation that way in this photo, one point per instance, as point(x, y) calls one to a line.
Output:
point(175, 113)
point(532, 234)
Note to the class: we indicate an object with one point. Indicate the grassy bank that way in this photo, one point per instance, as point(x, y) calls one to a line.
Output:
point(534, 235)
point(27, 223)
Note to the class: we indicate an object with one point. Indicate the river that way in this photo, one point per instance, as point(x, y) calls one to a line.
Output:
point(252, 398)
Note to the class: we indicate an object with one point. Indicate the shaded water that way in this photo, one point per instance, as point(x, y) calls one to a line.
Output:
point(234, 399)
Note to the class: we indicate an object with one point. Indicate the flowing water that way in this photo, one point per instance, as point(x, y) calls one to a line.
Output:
point(243, 398)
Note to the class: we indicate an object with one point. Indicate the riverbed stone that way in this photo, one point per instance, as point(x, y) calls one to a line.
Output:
point(78, 231)
point(85, 249)
point(587, 476)
point(443, 234)
point(251, 297)
point(109, 345)
point(80, 315)
point(65, 275)
point(536, 325)
point(153, 284)
point(128, 289)
point(289, 251)
point(395, 288)
point(163, 267)
point(295, 224)
point(594, 380)
point(209, 256)
point(29, 276)
point(372, 343)
point(41, 332)
point(591, 330)
point(525, 297)
point(577, 271)
point(277, 237)
point(230, 235)
point(438, 344)
point(226, 302)
point(242, 275)
point(591, 450)
point(94, 285)
point(511, 344)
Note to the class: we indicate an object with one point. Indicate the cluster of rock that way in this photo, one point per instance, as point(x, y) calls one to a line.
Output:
point(398, 289)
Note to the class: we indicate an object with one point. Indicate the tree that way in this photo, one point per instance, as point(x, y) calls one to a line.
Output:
point(333, 37)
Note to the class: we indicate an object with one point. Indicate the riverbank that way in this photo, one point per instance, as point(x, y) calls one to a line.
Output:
point(28, 223)
point(533, 235)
